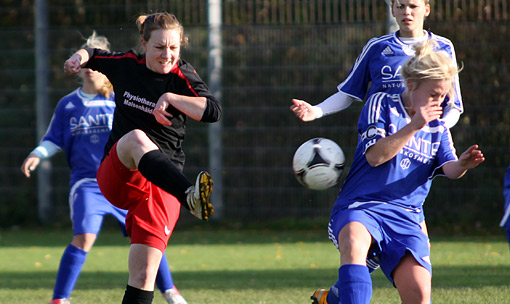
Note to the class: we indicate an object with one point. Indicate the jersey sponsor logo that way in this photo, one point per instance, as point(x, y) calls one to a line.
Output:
point(137, 102)
point(94, 139)
point(405, 163)
point(417, 148)
point(167, 231)
point(91, 124)
point(391, 78)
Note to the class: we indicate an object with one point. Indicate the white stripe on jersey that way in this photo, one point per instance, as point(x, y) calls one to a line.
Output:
point(374, 104)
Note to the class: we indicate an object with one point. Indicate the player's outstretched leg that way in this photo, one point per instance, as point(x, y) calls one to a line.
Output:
point(199, 197)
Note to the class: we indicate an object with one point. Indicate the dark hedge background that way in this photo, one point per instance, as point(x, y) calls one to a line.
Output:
point(273, 51)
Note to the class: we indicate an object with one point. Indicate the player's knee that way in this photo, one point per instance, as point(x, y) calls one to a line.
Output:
point(353, 243)
point(412, 281)
point(419, 294)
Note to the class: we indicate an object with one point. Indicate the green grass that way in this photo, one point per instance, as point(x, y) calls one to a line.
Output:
point(246, 266)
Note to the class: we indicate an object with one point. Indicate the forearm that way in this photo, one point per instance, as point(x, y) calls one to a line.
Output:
point(454, 170)
point(193, 107)
point(83, 56)
point(386, 148)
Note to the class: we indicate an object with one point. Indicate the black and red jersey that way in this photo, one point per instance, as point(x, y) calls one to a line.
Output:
point(137, 90)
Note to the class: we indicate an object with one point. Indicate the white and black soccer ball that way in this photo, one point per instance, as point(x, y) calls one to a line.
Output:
point(318, 163)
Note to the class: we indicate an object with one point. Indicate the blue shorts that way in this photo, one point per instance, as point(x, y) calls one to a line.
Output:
point(394, 229)
point(89, 207)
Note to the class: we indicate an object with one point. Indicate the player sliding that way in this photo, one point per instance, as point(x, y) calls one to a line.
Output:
point(377, 69)
point(141, 171)
point(403, 146)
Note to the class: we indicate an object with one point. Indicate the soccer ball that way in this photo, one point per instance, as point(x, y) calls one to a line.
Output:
point(318, 163)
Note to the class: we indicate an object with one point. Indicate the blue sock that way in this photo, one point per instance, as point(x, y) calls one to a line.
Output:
point(354, 284)
point(164, 278)
point(70, 266)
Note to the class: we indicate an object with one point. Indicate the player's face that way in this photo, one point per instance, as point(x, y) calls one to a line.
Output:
point(410, 15)
point(93, 78)
point(163, 49)
point(429, 92)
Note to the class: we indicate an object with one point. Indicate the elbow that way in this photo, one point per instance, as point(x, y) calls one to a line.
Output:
point(212, 112)
point(373, 161)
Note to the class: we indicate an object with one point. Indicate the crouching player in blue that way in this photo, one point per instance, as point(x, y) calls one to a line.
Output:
point(81, 126)
point(403, 145)
point(505, 222)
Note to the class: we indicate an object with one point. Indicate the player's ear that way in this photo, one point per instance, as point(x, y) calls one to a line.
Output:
point(144, 45)
point(427, 9)
point(410, 84)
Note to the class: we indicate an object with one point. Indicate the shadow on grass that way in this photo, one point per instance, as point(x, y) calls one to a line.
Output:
point(444, 277)
point(111, 237)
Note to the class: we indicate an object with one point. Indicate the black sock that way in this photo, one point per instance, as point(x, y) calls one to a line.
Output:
point(137, 296)
point(162, 172)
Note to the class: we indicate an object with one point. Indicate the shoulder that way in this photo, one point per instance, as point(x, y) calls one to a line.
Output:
point(185, 70)
point(73, 98)
point(376, 45)
point(380, 41)
point(381, 97)
point(444, 43)
point(376, 103)
point(185, 67)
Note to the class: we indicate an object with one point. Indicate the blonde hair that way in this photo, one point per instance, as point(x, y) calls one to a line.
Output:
point(100, 42)
point(148, 23)
point(428, 64)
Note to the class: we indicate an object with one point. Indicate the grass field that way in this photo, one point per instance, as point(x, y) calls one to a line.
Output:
point(244, 266)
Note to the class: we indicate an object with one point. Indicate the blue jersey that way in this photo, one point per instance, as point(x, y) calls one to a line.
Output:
point(81, 127)
point(405, 179)
point(377, 69)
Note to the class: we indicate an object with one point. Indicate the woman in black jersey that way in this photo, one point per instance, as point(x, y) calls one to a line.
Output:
point(155, 92)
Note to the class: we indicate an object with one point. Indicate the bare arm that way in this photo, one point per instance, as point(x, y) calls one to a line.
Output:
point(386, 148)
point(469, 159)
point(194, 107)
point(73, 65)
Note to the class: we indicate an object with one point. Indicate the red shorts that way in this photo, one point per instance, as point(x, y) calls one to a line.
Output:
point(152, 212)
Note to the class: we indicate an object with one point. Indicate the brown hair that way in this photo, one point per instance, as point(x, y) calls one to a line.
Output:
point(148, 23)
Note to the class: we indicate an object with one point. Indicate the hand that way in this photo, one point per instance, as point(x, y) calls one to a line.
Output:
point(72, 65)
point(30, 164)
point(426, 114)
point(160, 112)
point(471, 158)
point(303, 110)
